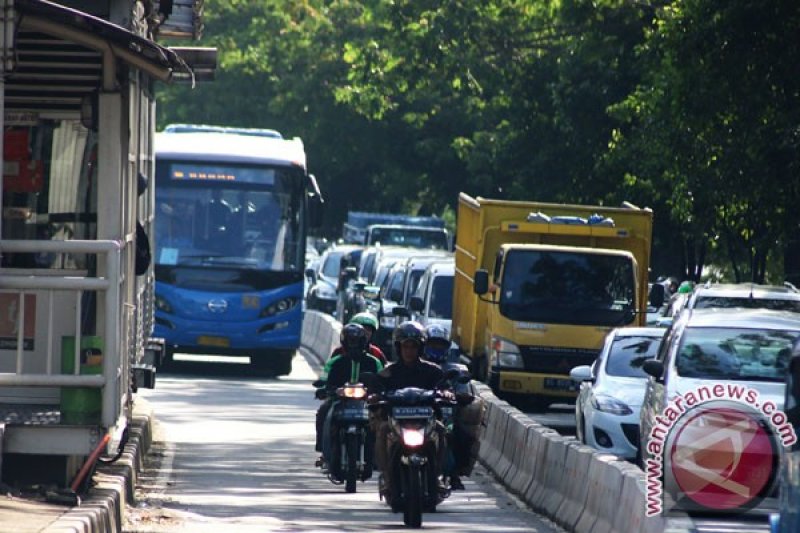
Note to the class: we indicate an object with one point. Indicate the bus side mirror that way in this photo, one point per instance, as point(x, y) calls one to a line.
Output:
point(315, 203)
point(480, 284)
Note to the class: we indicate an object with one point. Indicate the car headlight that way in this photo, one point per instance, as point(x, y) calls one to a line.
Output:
point(388, 321)
point(609, 404)
point(281, 306)
point(506, 354)
point(162, 304)
point(326, 291)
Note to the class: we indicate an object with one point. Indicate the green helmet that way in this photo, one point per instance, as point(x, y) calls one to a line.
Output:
point(366, 320)
point(685, 287)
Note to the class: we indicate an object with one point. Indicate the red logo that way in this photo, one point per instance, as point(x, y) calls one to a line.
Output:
point(722, 458)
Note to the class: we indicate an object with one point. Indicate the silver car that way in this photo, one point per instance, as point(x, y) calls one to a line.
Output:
point(734, 350)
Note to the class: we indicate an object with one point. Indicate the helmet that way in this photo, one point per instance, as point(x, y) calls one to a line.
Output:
point(437, 343)
point(366, 320)
point(406, 331)
point(685, 287)
point(353, 339)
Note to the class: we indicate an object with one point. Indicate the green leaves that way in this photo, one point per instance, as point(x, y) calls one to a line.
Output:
point(687, 106)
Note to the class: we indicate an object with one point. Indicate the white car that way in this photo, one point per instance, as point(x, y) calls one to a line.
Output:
point(612, 389)
point(743, 348)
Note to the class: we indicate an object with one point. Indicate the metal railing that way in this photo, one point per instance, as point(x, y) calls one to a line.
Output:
point(109, 283)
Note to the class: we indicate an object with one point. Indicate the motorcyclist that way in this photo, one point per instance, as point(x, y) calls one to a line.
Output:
point(464, 438)
point(341, 369)
point(370, 324)
point(410, 370)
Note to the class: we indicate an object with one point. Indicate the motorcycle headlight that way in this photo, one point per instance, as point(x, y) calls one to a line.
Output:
point(356, 392)
point(162, 304)
point(281, 306)
point(413, 437)
point(506, 354)
point(608, 404)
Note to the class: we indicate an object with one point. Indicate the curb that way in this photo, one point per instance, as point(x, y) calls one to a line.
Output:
point(103, 508)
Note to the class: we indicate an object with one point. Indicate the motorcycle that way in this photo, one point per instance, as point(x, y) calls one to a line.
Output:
point(418, 444)
point(348, 442)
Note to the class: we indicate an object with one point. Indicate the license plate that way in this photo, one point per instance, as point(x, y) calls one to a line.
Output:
point(219, 342)
point(412, 412)
point(352, 413)
point(561, 384)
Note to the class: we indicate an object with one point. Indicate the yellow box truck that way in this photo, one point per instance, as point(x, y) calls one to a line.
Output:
point(538, 286)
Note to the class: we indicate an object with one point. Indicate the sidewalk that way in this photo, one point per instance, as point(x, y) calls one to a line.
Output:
point(102, 510)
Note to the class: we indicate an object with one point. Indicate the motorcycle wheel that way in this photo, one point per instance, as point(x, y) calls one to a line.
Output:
point(412, 514)
point(351, 471)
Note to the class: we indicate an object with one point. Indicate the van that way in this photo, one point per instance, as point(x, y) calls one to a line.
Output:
point(432, 303)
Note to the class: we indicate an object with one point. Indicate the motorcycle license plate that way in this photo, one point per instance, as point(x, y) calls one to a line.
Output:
point(353, 413)
point(412, 412)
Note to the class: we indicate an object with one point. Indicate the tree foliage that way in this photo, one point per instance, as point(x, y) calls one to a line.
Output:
point(687, 106)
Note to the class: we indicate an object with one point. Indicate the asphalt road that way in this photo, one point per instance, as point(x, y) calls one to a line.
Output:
point(234, 453)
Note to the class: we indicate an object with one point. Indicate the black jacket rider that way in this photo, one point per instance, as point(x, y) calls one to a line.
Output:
point(422, 374)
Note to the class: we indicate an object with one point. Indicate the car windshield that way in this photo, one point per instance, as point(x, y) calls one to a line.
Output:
point(735, 353)
point(332, 264)
point(411, 237)
point(441, 297)
point(568, 288)
point(627, 354)
point(780, 304)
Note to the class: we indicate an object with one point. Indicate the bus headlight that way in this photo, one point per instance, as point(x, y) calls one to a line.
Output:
point(162, 304)
point(281, 306)
point(506, 354)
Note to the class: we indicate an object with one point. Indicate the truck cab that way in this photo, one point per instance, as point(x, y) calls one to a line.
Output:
point(538, 286)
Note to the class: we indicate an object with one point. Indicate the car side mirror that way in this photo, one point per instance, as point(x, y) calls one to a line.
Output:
point(480, 284)
point(415, 303)
point(581, 373)
point(653, 367)
point(656, 296)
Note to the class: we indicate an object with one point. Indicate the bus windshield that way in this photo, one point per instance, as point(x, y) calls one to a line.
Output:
point(568, 288)
point(227, 216)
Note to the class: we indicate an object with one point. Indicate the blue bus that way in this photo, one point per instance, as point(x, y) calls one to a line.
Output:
point(233, 207)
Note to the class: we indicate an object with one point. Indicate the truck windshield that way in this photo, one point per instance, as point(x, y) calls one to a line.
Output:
point(568, 288)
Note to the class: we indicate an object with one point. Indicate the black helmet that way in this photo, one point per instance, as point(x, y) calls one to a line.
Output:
point(409, 330)
point(353, 339)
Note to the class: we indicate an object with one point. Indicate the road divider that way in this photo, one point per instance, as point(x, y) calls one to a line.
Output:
point(579, 488)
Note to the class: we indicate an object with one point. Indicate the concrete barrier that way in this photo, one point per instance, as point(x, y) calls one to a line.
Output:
point(525, 461)
point(579, 458)
point(554, 489)
point(493, 438)
point(604, 479)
